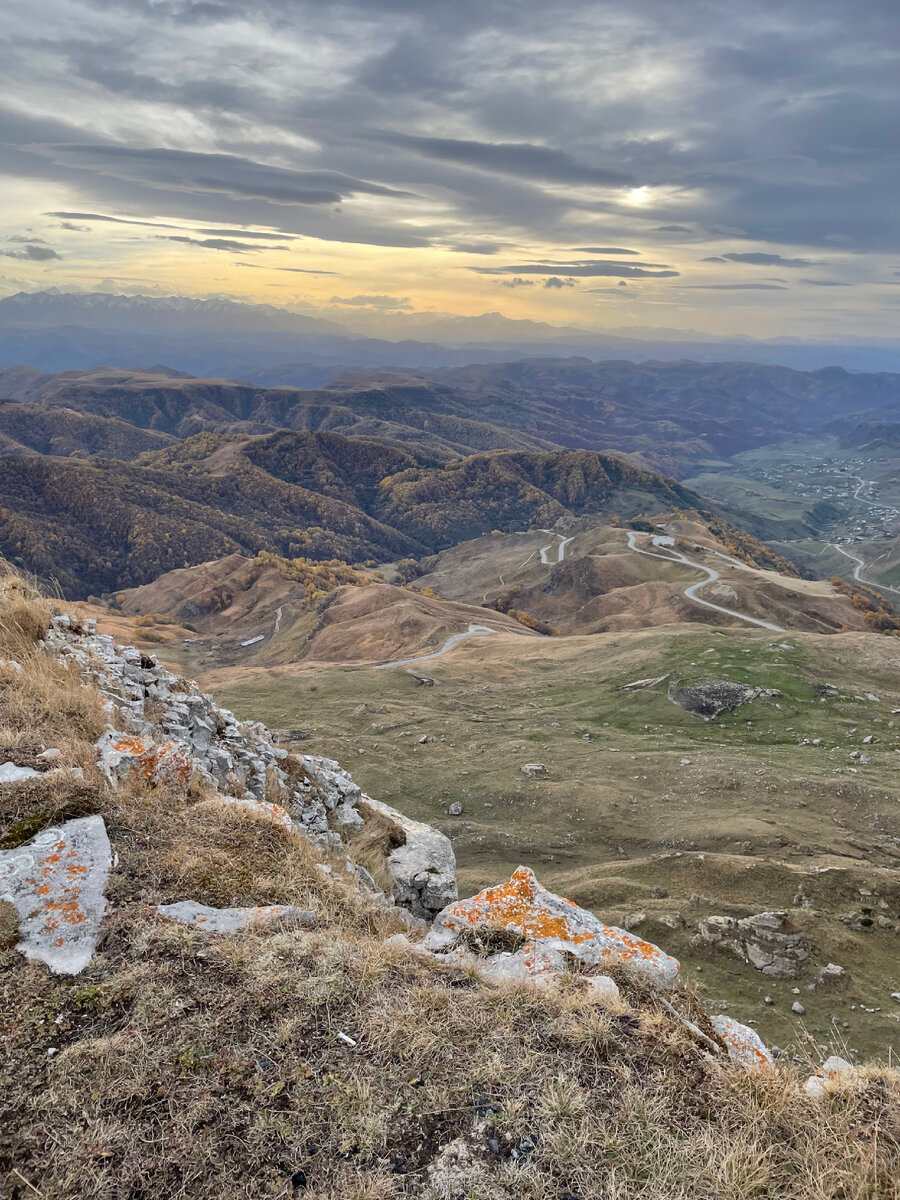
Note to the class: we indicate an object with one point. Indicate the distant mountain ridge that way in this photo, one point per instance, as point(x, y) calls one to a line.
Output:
point(56, 330)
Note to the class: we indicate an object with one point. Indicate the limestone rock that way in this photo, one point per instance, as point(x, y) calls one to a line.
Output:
point(10, 773)
point(828, 976)
point(423, 868)
point(744, 1044)
point(236, 920)
point(56, 882)
point(833, 1073)
point(767, 940)
point(548, 923)
point(532, 770)
point(127, 757)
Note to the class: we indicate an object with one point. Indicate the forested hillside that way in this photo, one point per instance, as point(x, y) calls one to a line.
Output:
point(101, 525)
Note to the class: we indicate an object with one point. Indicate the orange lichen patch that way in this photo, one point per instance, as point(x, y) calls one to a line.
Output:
point(512, 906)
point(124, 756)
point(550, 922)
point(744, 1044)
point(56, 883)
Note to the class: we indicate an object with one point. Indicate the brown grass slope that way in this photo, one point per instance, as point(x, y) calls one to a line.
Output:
point(179, 1065)
point(303, 610)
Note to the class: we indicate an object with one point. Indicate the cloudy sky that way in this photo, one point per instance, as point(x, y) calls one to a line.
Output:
point(698, 164)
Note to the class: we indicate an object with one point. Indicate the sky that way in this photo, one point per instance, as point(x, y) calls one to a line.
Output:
point(712, 165)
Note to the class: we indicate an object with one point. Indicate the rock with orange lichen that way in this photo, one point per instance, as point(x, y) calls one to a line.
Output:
point(128, 757)
point(56, 883)
point(549, 926)
point(834, 1073)
point(744, 1044)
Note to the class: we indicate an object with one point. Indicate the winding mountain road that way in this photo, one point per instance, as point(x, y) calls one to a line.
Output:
point(454, 640)
point(560, 550)
point(860, 566)
point(482, 630)
point(711, 576)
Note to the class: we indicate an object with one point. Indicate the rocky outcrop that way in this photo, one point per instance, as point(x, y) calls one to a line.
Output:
point(422, 868)
point(714, 696)
point(547, 931)
point(768, 941)
point(173, 732)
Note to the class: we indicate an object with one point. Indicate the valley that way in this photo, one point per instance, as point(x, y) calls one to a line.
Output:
point(448, 585)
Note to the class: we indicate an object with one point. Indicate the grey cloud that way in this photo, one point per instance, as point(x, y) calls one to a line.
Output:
point(714, 258)
point(586, 268)
point(230, 174)
point(217, 244)
point(31, 254)
point(732, 287)
point(555, 282)
point(20, 237)
point(477, 247)
point(759, 259)
point(826, 283)
point(778, 121)
point(602, 250)
point(81, 216)
point(508, 158)
point(292, 270)
point(247, 233)
point(517, 282)
point(75, 228)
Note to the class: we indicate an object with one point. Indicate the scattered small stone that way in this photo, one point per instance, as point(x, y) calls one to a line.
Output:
point(534, 769)
point(798, 1008)
point(455, 809)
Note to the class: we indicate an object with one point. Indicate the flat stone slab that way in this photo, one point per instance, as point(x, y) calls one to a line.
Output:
point(10, 773)
point(236, 920)
point(56, 884)
point(549, 924)
point(744, 1044)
